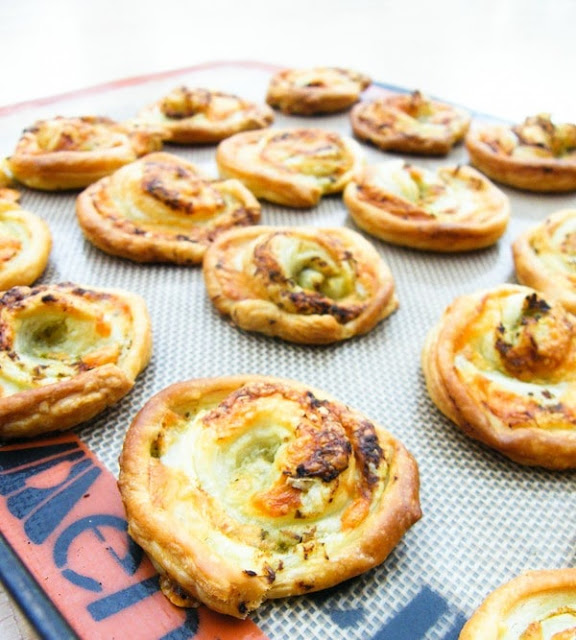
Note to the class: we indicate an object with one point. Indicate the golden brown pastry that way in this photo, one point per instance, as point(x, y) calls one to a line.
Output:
point(545, 257)
point(537, 605)
point(501, 364)
point(161, 209)
point(71, 153)
point(197, 116)
point(66, 353)
point(306, 285)
point(453, 208)
point(317, 90)
point(247, 488)
point(293, 167)
point(410, 123)
point(25, 242)
point(536, 155)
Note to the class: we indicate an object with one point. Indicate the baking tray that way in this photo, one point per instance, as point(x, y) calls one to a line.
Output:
point(485, 518)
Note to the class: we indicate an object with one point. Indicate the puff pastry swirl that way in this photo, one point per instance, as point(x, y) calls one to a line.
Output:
point(161, 209)
point(451, 209)
point(293, 167)
point(197, 116)
point(410, 123)
point(71, 153)
point(248, 488)
point(66, 353)
point(545, 257)
point(25, 242)
point(317, 90)
point(501, 364)
point(537, 605)
point(536, 155)
point(306, 285)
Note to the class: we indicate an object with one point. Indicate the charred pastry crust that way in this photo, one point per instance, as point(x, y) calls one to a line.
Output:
point(66, 353)
point(410, 123)
point(501, 364)
point(25, 242)
point(315, 91)
point(201, 116)
point(71, 153)
point(451, 209)
point(306, 285)
point(248, 488)
point(293, 167)
point(535, 604)
point(161, 209)
point(545, 257)
point(536, 155)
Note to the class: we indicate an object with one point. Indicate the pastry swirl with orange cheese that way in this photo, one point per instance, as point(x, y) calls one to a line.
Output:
point(161, 209)
point(451, 209)
point(247, 488)
point(293, 167)
point(25, 242)
point(306, 285)
point(545, 257)
point(199, 116)
point(71, 153)
point(317, 90)
point(66, 353)
point(501, 364)
point(410, 123)
point(536, 155)
point(537, 605)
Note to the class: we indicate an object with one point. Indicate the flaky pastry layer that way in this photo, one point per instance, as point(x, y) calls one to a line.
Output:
point(451, 209)
point(316, 90)
point(199, 116)
point(25, 242)
point(71, 153)
point(501, 364)
point(410, 123)
point(537, 605)
point(536, 155)
point(306, 285)
point(247, 488)
point(293, 167)
point(162, 209)
point(545, 257)
point(66, 353)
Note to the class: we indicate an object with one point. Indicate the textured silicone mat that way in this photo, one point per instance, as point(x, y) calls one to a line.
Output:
point(485, 519)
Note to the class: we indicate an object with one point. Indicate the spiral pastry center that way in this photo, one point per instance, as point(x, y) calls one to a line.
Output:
point(61, 134)
point(184, 103)
point(307, 277)
point(284, 459)
point(534, 339)
point(46, 338)
point(307, 151)
point(539, 136)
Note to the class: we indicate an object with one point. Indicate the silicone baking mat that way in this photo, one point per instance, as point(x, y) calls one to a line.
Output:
point(485, 518)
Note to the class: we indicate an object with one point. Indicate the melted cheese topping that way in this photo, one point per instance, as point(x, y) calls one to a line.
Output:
point(53, 333)
point(254, 466)
point(554, 243)
point(167, 196)
point(446, 194)
point(14, 237)
point(313, 153)
point(517, 359)
point(542, 617)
